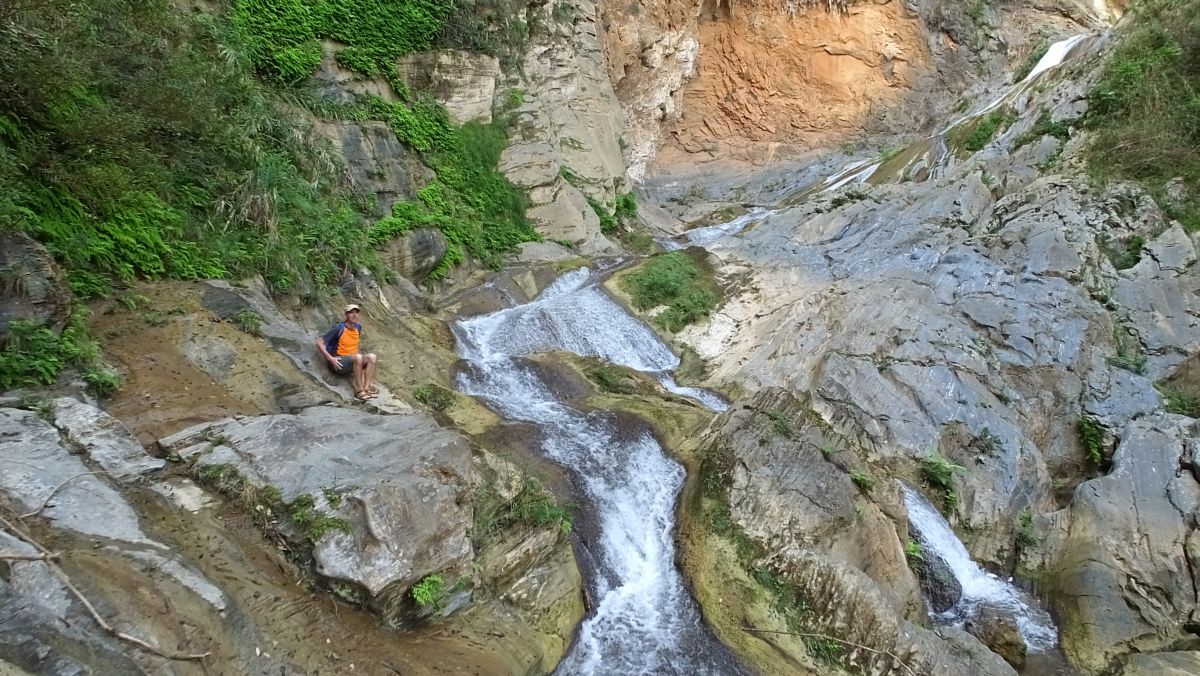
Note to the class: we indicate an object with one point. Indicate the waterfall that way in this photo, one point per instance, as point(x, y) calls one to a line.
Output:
point(979, 588)
point(644, 620)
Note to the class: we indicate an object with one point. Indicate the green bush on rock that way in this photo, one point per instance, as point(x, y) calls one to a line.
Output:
point(677, 281)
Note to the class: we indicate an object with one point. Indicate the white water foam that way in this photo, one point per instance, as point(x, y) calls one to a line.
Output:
point(712, 233)
point(644, 622)
point(979, 588)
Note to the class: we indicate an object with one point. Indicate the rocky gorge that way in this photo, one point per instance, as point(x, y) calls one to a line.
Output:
point(940, 417)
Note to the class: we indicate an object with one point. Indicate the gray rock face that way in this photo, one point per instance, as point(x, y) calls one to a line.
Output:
point(570, 118)
point(404, 484)
point(39, 471)
point(104, 439)
point(1185, 663)
point(1122, 554)
point(463, 82)
point(32, 286)
point(998, 631)
point(376, 162)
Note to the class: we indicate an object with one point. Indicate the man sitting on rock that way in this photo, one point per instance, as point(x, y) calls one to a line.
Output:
point(340, 347)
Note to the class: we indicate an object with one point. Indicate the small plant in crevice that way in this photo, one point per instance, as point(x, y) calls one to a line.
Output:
point(913, 551)
point(434, 396)
point(781, 424)
point(988, 443)
point(248, 321)
point(532, 506)
point(315, 523)
point(939, 473)
point(1043, 127)
point(1129, 352)
point(1123, 256)
point(1026, 536)
point(430, 593)
point(1091, 436)
point(864, 481)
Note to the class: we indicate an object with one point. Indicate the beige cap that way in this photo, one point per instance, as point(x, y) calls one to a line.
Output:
point(350, 307)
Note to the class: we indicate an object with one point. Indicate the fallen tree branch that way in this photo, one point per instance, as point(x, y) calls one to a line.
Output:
point(860, 646)
point(56, 489)
point(48, 557)
point(10, 556)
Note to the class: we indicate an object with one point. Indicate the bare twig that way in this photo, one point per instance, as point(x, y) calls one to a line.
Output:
point(56, 489)
point(58, 572)
point(860, 646)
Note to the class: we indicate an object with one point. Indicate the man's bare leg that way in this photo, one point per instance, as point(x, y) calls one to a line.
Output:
point(359, 374)
point(369, 371)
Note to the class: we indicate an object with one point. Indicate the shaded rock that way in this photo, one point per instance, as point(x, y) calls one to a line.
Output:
point(404, 486)
point(104, 439)
point(32, 286)
point(1121, 552)
point(463, 82)
point(376, 161)
point(1185, 663)
point(1000, 633)
point(415, 254)
point(941, 589)
point(784, 492)
point(344, 85)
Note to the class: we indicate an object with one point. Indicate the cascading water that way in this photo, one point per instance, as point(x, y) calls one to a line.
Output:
point(644, 620)
point(708, 235)
point(979, 588)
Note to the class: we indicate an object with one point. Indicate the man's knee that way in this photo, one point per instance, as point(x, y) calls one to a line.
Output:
point(357, 358)
point(371, 358)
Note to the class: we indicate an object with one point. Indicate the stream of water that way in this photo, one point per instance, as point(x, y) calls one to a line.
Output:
point(979, 588)
point(644, 621)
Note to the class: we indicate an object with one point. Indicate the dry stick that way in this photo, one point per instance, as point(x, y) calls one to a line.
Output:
point(6, 556)
point(56, 489)
point(892, 655)
point(58, 572)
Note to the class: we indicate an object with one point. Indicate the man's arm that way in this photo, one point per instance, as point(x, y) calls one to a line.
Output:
point(329, 335)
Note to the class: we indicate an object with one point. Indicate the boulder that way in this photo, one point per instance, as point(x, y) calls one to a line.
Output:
point(415, 254)
point(1122, 555)
point(400, 484)
point(32, 286)
point(104, 439)
point(1185, 663)
point(998, 630)
point(941, 589)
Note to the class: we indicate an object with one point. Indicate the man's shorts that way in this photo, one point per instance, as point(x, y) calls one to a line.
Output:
point(345, 365)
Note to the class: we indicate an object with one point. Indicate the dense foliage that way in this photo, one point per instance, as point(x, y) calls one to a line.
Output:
point(676, 281)
point(1145, 108)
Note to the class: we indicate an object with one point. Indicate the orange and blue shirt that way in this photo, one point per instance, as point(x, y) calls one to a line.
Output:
point(342, 339)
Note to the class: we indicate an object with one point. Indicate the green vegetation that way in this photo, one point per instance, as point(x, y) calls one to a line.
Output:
point(1124, 256)
point(32, 355)
point(624, 209)
point(975, 135)
point(989, 443)
point(315, 523)
point(430, 592)
point(1145, 108)
point(248, 321)
point(939, 474)
point(781, 424)
point(1091, 435)
point(1043, 127)
point(1129, 352)
point(1031, 59)
point(1026, 537)
point(434, 396)
point(531, 507)
point(1179, 401)
point(913, 551)
point(611, 379)
point(864, 481)
point(676, 280)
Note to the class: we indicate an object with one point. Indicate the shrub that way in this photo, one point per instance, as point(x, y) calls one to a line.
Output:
point(611, 379)
point(913, 551)
point(781, 424)
point(1026, 537)
point(674, 280)
point(248, 320)
point(1043, 127)
point(1181, 402)
point(975, 135)
point(532, 506)
point(1145, 107)
point(31, 355)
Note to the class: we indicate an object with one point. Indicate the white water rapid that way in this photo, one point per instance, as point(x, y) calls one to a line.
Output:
point(643, 621)
point(979, 588)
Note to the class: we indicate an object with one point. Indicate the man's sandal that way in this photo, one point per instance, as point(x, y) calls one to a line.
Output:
point(362, 395)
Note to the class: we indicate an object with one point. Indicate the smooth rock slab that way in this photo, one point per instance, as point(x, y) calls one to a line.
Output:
point(404, 484)
point(104, 439)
